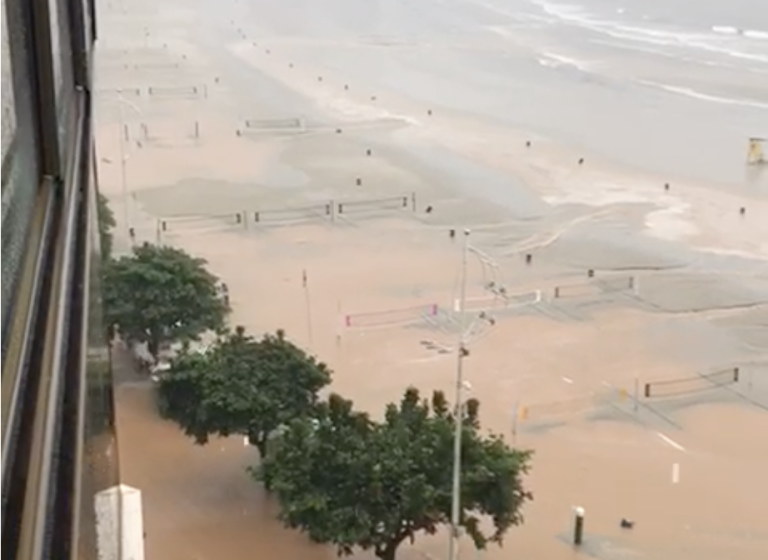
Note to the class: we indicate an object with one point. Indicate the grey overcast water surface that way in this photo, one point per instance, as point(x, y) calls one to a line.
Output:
point(670, 86)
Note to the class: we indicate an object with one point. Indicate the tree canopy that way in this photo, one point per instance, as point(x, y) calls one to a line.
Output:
point(106, 221)
point(241, 385)
point(161, 293)
point(353, 482)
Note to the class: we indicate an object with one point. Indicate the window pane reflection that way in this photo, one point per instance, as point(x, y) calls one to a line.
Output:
point(19, 172)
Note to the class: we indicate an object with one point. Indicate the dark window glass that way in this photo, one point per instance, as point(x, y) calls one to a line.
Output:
point(20, 175)
point(63, 74)
point(9, 108)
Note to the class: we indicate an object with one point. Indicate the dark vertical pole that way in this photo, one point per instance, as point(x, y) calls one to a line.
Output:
point(578, 526)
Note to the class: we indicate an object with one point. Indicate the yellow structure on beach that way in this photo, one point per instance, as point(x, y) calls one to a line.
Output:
point(755, 154)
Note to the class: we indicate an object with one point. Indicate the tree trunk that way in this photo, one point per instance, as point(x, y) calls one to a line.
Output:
point(153, 345)
point(389, 552)
point(260, 441)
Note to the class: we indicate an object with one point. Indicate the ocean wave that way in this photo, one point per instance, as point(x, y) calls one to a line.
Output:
point(515, 15)
point(654, 50)
point(692, 93)
point(750, 33)
point(726, 30)
point(552, 60)
point(576, 16)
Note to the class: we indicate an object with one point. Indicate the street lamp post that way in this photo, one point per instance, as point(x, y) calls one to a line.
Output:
point(459, 414)
point(124, 156)
point(123, 171)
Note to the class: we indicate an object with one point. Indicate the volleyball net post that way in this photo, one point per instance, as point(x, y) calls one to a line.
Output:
point(683, 386)
point(389, 317)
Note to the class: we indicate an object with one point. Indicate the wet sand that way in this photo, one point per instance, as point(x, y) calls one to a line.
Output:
point(563, 369)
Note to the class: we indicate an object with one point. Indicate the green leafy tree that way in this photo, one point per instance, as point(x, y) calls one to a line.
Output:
point(158, 294)
point(352, 482)
point(242, 386)
point(106, 221)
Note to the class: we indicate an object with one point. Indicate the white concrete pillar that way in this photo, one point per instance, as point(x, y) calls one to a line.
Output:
point(120, 523)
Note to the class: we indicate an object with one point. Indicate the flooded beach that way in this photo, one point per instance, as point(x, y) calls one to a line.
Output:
point(598, 156)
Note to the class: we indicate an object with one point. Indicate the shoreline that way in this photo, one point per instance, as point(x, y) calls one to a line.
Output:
point(541, 168)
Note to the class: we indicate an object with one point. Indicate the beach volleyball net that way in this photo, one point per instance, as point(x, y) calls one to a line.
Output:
point(176, 92)
point(596, 287)
point(258, 126)
point(199, 222)
point(667, 388)
point(391, 317)
point(573, 408)
point(347, 207)
point(309, 212)
point(501, 301)
point(556, 409)
point(170, 130)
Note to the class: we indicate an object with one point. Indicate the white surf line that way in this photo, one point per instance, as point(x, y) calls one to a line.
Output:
point(669, 441)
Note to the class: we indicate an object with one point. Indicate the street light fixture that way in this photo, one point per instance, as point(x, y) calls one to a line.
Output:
point(461, 353)
point(467, 334)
